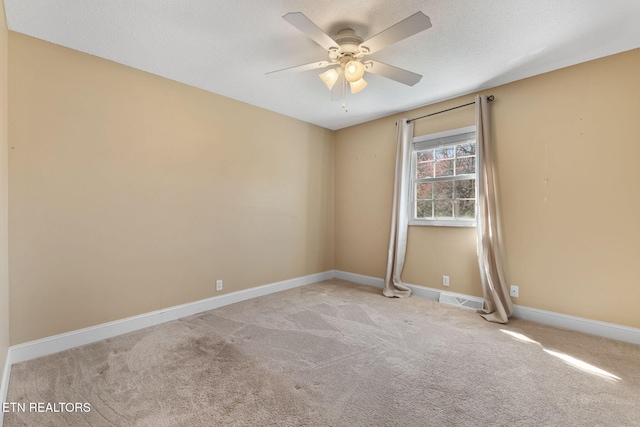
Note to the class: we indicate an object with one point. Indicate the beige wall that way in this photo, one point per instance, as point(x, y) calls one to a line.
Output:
point(4, 275)
point(364, 184)
point(567, 150)
point(130, 193)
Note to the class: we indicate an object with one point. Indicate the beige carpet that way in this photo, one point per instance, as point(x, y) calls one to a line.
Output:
point(336, 354)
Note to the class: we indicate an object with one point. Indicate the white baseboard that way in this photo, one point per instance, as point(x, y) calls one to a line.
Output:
point(45, 346)
point(580, 324)
point(420, 291)
point(54, 344)
point(359, 278)
point(4, 385)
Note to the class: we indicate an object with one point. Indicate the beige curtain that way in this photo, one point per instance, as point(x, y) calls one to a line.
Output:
point(393, 286)
point(498, 306)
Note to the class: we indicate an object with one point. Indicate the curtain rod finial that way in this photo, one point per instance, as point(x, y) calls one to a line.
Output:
point(490, 98)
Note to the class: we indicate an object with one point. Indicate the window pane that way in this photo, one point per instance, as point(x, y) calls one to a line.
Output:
point(443, 209)
point(424, 190)
point(444, 153)
point(425, 155)
point(424, 209)
point(465, 189)
point(443, 190)
point(443, 184)
point(465, 208)
point(425, 170)
point(466, 165)
point(444, 168)
point(466, 150)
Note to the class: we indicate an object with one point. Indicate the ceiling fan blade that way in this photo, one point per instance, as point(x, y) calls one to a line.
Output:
point(304, 24)
point(299, 68)
point(394, 73)
point(412, 25)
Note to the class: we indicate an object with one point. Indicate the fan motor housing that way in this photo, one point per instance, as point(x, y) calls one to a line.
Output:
point(348, 41)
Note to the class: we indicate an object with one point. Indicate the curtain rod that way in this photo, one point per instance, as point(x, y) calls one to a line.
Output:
point(490, 98)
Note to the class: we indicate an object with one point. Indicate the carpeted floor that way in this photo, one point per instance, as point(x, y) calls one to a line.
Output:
point(337, 354)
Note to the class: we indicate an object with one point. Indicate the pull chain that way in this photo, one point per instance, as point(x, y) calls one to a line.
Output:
point(344, 95)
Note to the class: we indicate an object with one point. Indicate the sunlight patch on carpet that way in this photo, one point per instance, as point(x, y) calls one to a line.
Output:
point(577, 363)
point(519, 336)
point(584, 366)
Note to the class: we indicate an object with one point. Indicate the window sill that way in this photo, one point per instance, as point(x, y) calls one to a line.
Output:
point(442, 223)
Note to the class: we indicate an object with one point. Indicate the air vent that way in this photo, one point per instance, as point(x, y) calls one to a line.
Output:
point(464, 301)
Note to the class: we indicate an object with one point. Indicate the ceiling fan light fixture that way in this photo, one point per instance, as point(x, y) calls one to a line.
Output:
point(357, 86)
point(329, 78)
point(353, 71)
point(347, 51)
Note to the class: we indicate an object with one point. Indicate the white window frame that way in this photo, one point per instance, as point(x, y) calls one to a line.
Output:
point(432, 141)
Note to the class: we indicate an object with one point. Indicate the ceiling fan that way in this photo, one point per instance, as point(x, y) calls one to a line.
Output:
point(347, 51)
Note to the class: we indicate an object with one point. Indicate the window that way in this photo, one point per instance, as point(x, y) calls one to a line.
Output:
point(443, 179)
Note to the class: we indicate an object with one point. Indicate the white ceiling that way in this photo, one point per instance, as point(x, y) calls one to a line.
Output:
point(227, 46)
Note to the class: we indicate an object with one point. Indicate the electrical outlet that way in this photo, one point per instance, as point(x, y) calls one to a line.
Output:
point(514, 291)
point(445, 280)
point(218, 285)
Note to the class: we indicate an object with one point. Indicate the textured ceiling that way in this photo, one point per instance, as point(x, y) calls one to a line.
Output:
point(226, 46)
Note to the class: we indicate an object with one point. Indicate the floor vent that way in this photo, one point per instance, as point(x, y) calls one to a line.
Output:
point(466, 301)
